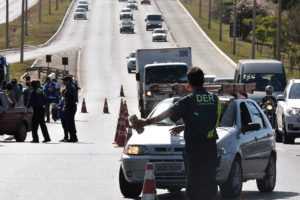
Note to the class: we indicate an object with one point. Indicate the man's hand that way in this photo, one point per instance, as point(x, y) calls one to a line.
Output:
point(142, 123)
point(177, 129)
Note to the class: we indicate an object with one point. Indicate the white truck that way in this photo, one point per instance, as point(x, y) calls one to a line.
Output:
point(157, 71)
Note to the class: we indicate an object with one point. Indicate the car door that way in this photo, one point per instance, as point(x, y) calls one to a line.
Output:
point(263, 139)
point(246, 140)
point(9, 116)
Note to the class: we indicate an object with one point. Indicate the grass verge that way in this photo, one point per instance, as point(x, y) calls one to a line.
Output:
point(17, 69)
point(38, 33)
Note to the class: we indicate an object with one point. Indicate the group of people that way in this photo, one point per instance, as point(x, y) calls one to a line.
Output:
point(39, 98)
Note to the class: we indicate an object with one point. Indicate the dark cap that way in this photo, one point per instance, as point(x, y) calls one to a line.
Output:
point(48, 79)
point(14, 80)
point(68, 78)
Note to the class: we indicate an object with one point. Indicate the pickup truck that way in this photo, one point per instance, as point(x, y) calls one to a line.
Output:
point(156, 71)
point(14, 121)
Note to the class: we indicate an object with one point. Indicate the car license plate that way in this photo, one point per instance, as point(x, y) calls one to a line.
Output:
point(168, 167)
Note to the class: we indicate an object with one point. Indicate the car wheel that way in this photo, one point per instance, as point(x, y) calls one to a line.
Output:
point(129, 190)
point(233, 186)
point(129, 71)
point(285, 138)
point(21, 133)
point(278, 136)
point(174, 189)
point(268, 183)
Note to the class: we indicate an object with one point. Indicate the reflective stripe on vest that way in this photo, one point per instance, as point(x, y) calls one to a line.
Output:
point(211, 132)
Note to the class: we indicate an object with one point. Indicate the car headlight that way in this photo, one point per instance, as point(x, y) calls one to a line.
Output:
point(149, 93)
point(269, 107)
point(135, 150)
point(221, 151)
point(293, 111)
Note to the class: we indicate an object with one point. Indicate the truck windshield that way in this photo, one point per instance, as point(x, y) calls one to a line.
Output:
point(154, 17)
point(166, 74)
point(278, 81)
point(295, 91)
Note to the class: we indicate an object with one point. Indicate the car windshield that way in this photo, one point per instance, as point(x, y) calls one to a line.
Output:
point(80, 10)
point(278, 81)
point(295, 91)
point(125, 10)
point(131, 1)
point(154, 17)
point(159, 31)
point(166, 74)
point(163, 106)
point(209, 79)
point(82, 2)
point(81, 6)
point(127, 23)
point(228, 118)
point(132, 55)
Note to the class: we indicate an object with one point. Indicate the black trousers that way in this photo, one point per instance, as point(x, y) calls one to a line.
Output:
point(71, 111)
point(200, 158)
point(65, 127)
point(38, 119)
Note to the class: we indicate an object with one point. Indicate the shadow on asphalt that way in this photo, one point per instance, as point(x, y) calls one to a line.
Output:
point(246, 195)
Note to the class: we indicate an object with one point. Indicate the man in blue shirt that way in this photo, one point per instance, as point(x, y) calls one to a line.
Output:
point(51, 92)
point(200, 112)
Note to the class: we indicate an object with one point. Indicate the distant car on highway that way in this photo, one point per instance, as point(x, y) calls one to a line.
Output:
point(131, 62)
point(80, 13)
point(146, 2)
point(14, 121)
point(209, 78)
point(132, 4)
point(127, 26)
point(153, 21)
point(288, 113)
point(159, 34)
point(224, 80)
point(246, 150)
point(126, 13)
point(84, 3)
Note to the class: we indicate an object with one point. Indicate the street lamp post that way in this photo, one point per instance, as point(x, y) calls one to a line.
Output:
point(26, 17)
point(22, 34)
point(253, 29)
point(234, 27)
point(7, 23)
point(278, 45)
point(221, 19)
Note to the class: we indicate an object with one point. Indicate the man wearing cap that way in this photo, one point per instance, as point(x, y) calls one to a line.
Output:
point(37, 101)
point(200, 112)
point(70, 107)
point(50, 89)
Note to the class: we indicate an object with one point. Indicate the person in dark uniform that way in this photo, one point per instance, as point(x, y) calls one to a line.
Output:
point(200, 112)
point(70, 107)
point(37, 100)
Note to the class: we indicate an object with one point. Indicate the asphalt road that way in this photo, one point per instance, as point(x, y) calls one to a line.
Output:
point(89, 169)
point(15, 9)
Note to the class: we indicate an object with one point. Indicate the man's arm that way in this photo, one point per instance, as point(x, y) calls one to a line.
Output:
point(158, 118)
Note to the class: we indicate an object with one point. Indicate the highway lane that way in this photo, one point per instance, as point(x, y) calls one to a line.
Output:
point(89, 169)
point(15, 9)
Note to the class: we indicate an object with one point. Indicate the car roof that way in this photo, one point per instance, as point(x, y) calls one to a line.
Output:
point(157, 29)
point(165, 63)
point(153, 14)
point(259, 61)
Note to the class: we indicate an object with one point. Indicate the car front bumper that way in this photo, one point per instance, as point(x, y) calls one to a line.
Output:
point(79, 16)
point(159, 38)
point(131, 66)
point(293, 125)
point(153, 26)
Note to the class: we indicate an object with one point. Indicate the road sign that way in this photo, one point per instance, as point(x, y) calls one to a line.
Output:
point(65, 61)
point(48, 58)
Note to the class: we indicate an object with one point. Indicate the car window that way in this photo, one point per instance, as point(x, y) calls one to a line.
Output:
point(255, 114)
point(228, 116)
point(245, 115)
point(295, 91)
point(132, 55)
point(278, 81)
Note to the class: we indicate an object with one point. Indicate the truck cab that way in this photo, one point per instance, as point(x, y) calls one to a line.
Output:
point(153, 21)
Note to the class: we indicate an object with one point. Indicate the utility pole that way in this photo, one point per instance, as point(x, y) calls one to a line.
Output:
point(7, 23)
point(26, 17)
point(200, 8)
point(221, 20)
point(253, 29)
point(209, 13)
point(40, 11)
point(49, 11)
point(22, 34)
point(278, 35)
point(56, 5)
point(234, 27)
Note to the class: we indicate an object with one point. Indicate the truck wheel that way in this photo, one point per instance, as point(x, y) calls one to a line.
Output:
point(174, 189)
point(129, 190)
point(233, 186)
point(21, 133)
point(268, 183)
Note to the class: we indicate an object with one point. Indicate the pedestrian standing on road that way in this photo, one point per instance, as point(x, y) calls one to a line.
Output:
point(70, 107)
point(63, 117)
point(27, 90)
point(10, 93)
point(50, 89)
point(37, 101)
point(200, 112)
point(17, 92)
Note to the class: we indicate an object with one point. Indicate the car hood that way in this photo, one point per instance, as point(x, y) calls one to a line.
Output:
point(156, 135)
point(154, 22)
point(127, 26)
point(131, 59)
point(258, 95)
point(159, 34)
point(223, 132)
point(80, 13)
point(293, 103)
point(126, 13)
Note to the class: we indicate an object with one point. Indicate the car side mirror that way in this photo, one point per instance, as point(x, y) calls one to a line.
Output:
point(280, 98)
point(251, 127)
point(137, 76)
point(127, 57)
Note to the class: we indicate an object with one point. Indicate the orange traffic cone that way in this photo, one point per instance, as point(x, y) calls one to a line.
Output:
point(83, 107)
point(121, 107)
point(128, 135)
point(126, 114)
point(105, 109)
point(122, 92)
point(121, 134)
point(116, 134)
point(149, 188)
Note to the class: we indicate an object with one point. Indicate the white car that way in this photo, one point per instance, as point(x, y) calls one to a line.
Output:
point(159, 34)
point(209, 78)
point(288, 113)
point(126, 13)
point(132, 4)
point(85, 4)
point(131, 62)
point(80, 13)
